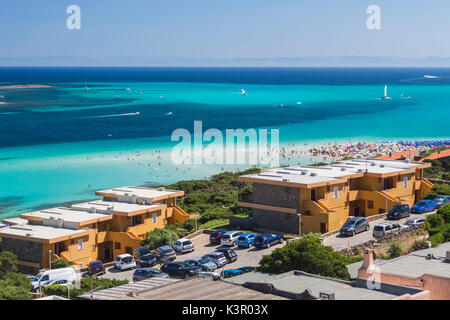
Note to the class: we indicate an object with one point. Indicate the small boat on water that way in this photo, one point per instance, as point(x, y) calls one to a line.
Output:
point(128, 89)
point(169, 113)
point(430, 77)
point(385, 97)
point(243, 92)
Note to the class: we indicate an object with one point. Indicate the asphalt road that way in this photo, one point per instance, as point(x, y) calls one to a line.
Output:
point(339, 242)
point(246, 257)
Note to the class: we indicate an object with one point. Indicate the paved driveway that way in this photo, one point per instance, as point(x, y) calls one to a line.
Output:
point(339, 242)
point(246, 257)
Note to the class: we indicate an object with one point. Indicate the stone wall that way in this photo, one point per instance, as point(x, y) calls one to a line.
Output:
point(403, 238)
point(277, 221)
point(28, 251)
point(277, 196)
point(242, 223)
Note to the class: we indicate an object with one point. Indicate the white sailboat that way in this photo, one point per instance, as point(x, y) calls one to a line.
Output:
point(385, 97)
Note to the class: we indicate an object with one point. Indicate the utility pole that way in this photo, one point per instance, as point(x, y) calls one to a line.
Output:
point(50, 258)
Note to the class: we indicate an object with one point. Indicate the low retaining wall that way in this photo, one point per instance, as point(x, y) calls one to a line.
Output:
point(414, 233)
point(242, 223)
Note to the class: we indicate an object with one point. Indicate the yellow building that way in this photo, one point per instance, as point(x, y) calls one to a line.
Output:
point(304, 199)
point(95, 230)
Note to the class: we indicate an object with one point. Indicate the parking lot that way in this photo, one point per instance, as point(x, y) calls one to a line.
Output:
point(246, 257)
point(339, 242)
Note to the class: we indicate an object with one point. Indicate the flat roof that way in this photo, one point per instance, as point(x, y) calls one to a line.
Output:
point(111, 207)
point(39, 233)
point(416, 265)
point(298, 282)
point(123, 291)
point(141, 192)
point(310, 176)
point(205, 289)
point(66, 214)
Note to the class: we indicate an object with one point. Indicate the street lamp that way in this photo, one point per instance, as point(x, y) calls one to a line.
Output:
point(50, 258)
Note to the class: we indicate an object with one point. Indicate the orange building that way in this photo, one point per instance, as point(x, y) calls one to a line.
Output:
point(95, 230)
point(304, 199)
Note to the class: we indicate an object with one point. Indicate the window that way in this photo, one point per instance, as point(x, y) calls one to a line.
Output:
point(370, 204)
point(335, 192)
point(80, 244)
point(117, 245)
point(405, 181)
point(154, 218)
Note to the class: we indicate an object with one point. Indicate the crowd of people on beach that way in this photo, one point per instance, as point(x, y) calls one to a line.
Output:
point(371, 150)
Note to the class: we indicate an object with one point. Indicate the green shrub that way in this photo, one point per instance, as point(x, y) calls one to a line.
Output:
point(308, 255)
point(394, 251)
point(8, 262)
point(159, 237)
point(14, 286)
point(444, 212)
point(214, 213)
point(61, 263)
point(446, 235)
point(437, 190)
point(435, 220)
point(446, 176)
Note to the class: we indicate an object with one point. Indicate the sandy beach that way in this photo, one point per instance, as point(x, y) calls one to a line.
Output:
point(25, 86)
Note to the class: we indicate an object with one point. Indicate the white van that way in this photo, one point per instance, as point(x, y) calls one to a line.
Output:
point(46, 276)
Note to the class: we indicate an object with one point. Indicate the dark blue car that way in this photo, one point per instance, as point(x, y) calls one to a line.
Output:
point(266, 240)
point(423, 206)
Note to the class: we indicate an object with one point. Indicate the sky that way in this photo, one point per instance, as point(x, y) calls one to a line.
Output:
point(140, 32)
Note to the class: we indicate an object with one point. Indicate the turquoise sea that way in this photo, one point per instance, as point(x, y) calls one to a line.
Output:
point(97, 128)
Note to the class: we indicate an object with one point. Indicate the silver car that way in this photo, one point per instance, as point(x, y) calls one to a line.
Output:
point(413, 222)
point(385, 228)
point(217, 257)
point(230, 238)
point(183, 245)
point(207, 264)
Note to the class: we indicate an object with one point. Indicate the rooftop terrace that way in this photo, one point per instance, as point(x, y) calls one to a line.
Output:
point(308, 176)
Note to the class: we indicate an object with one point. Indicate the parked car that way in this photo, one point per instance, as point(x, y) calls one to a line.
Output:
point(247, 269)
point(145, 257)
point(423, 206)
point(229, 254)
point(166, 254)
point(125, 261)
point(54, 274)
point(441, 201)
point(218, 258)
point(399, 211)
point(411, 222)
point(183, 245)
point(268, 239)
point(147, 273)
point(225, 274)
point(354, 225)
point(385, 228)
point(180, 269)
point(96, 267)
point(63, 282)
point(246, 240)
point(206, 264)
point(216, 236)
point(230, 238)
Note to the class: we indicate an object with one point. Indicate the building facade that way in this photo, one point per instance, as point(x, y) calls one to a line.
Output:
point(306, 199)
point(95, 230)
